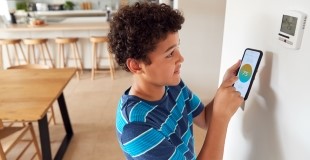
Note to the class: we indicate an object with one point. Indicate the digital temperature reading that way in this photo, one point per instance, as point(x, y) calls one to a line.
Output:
point(248, 68)
point(292, 29)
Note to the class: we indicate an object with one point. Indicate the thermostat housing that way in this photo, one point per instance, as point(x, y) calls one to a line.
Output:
point(292, 28)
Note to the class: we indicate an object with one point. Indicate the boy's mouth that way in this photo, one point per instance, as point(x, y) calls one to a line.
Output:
point(178, 69)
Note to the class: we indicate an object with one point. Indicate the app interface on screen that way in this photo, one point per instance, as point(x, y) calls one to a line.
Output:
point(246, 71)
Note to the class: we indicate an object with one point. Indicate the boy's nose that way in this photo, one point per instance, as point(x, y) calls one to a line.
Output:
point(181, 59)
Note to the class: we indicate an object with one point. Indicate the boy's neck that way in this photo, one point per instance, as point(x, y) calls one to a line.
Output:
point(147, 91)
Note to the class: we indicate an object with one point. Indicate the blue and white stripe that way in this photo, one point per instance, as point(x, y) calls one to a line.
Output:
point(156, 127)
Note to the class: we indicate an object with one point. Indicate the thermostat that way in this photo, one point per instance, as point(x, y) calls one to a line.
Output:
point(292, 29)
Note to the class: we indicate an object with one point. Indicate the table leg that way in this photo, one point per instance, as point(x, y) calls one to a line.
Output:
point(64, 114)
point(45, 138)
point(67, 125)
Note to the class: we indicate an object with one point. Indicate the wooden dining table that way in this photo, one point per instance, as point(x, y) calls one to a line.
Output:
point(27, 94)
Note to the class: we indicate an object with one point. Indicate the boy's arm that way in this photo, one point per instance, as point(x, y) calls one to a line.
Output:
point(213, 146)
point(223, 107)
point(225, 104)
point(203, 119)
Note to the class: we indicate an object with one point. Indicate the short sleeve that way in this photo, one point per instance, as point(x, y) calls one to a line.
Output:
point(195, 104)
point(140, 141)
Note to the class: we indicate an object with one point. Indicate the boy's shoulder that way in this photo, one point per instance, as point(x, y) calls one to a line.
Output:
point(130, 100)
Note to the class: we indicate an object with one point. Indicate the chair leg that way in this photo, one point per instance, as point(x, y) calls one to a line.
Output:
point(42, 54)
point(111, 66)
point(52, 115)
point(16, 55)
point(74, 55)
point(94, 60)
point(1, 58)
point(61, 57)
point(8, 53)
point(23, 54)
point(33, 54)
point(2, 154)
point(35, 142)
point(49, 55)
point(78, 56)
point(28, 54)
point(75, 60)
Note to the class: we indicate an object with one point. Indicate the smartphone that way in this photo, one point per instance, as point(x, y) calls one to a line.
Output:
point(247, 71)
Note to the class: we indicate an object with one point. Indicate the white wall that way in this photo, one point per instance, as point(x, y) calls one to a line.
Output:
point(4, 10)
point(201, 44)
point(275, 123)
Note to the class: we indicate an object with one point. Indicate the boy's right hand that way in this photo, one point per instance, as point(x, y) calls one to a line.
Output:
point(227, 99)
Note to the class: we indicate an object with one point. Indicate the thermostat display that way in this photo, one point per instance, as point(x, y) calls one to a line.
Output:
point(289, 25)
point(292, 28)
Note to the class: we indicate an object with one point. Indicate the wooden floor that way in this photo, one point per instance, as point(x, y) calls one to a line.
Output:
point(92, 106)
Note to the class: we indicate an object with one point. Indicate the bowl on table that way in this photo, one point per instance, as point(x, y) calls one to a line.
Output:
point(33, 22)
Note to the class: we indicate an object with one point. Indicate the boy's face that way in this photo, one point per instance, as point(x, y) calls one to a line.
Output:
point(165, 64)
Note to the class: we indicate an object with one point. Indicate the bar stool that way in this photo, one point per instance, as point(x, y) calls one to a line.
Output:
point(95, 41)
point(15, 43)
point(74, 50)
point(42, 44)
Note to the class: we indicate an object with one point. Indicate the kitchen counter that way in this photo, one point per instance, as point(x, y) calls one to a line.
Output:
point(81, 27)
point(57, 27)
point(70, 24)
point(72, 13)
point(65, 13)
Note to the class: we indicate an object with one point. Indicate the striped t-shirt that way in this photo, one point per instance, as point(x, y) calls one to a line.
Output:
point(161, 129)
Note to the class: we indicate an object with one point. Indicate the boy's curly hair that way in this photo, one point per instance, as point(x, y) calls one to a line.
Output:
point(136, 30)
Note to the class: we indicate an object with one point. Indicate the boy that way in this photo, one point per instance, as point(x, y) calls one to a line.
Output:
point(155, 115)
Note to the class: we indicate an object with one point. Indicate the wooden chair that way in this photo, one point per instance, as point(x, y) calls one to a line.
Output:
point(74, 54)
point(37, 66)
point(42, 45)
point(15, 58)
point(10, 136)
point(96, 40)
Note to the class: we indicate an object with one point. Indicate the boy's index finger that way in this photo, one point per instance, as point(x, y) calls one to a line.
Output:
point(229, 82)
point(235, 66)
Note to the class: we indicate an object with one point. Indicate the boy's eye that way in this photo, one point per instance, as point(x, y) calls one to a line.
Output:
point(170, 54)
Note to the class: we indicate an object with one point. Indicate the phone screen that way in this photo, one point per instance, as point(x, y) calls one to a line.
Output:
point(248, 68)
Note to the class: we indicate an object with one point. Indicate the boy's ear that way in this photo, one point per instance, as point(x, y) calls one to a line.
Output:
point(133, 65)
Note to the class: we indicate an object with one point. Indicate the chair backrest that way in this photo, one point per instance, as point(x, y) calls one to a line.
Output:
point(7, 131)
point(10, 132)
point(29, 66)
